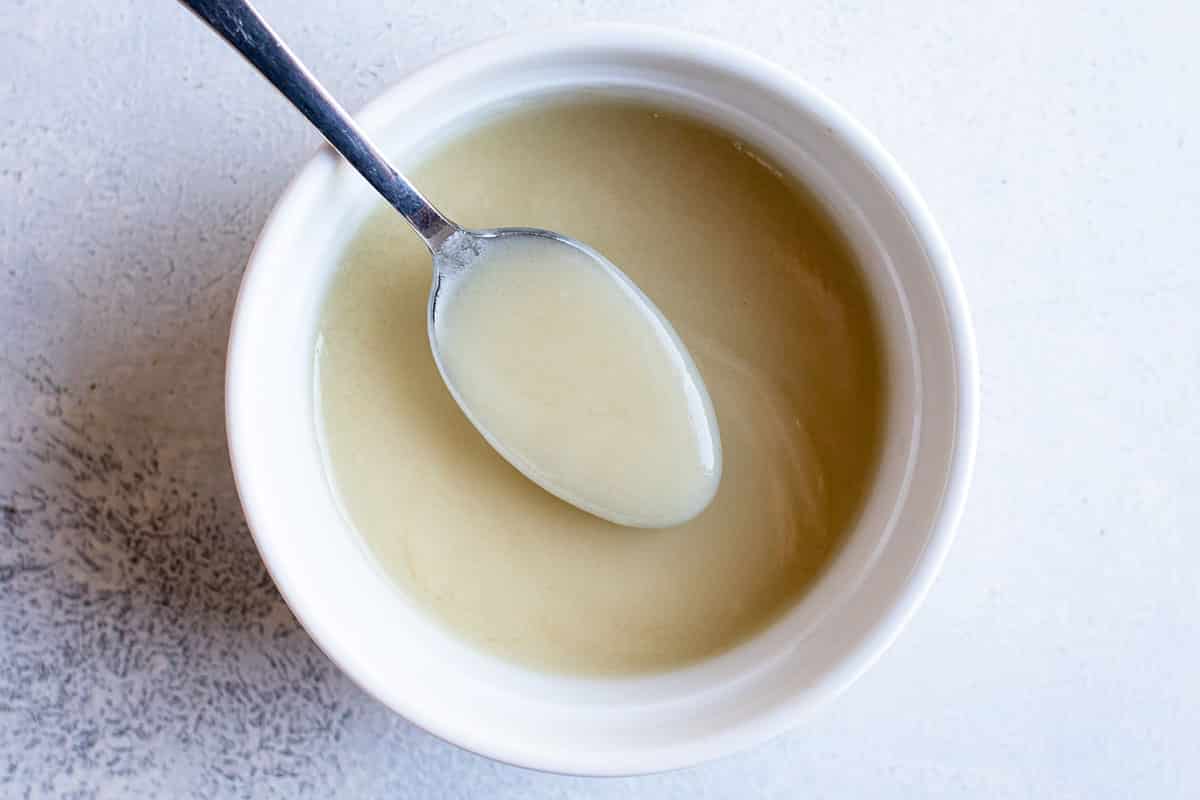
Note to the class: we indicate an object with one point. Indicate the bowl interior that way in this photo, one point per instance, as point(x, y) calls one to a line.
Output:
point(606, 726)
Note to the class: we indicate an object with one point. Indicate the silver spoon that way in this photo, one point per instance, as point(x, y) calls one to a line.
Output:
point(455, 250)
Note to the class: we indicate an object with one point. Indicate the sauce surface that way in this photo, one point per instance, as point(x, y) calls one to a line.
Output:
point(770, 303)
point(578, 382)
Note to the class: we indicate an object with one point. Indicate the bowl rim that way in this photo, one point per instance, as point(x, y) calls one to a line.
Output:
point(886, 628)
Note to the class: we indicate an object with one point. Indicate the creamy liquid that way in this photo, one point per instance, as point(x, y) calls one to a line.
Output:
point(578, 381)
point(768, 300)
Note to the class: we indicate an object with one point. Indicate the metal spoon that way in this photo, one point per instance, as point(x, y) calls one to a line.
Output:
point(455, 250)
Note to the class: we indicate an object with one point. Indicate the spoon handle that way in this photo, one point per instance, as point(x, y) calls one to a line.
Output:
point(239, 24)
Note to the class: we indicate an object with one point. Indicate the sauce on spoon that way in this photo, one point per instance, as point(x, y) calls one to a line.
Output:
point(578, 380)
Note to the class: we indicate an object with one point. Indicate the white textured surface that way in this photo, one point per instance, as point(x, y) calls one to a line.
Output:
point(143, 652)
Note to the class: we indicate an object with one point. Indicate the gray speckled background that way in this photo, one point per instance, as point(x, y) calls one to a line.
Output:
point(144, 652)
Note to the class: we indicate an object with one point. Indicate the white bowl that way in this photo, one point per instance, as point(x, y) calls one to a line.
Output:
point(374, 632)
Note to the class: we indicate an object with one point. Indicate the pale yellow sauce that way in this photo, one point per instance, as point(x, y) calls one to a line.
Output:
point(768, 300)
point(578, 381)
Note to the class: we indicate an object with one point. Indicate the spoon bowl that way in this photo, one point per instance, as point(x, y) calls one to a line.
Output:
point(573, 375)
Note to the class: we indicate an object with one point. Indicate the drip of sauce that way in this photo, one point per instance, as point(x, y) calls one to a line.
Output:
point(578, 382)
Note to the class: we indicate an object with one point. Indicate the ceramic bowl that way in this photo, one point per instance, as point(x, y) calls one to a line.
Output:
point(375, 633)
